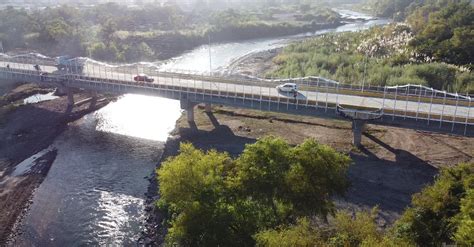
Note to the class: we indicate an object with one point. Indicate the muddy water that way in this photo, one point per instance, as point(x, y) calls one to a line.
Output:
point(94, 192)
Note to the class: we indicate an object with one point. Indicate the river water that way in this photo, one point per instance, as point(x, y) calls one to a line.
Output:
point(94, 193)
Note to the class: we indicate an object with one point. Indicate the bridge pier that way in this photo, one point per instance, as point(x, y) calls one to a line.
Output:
point(70, 96)
point(208, 107)
point(358, 127)
point(189, 108)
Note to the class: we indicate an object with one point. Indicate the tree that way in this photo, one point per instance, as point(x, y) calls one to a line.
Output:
point(302, 234)
point(347, 230)
point(108, 30)
point(105, 52)
point(431, 219)
point(212, 199)
point(193, 190)
point(138, 52)
point(301, 178)
point(464, 235)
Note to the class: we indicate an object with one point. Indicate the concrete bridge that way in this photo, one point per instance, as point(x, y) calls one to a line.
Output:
point(409, 106)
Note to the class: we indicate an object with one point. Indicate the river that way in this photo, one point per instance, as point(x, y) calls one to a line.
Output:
point(94, 193)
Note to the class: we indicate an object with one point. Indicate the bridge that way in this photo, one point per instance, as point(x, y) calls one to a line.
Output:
point(409, 106)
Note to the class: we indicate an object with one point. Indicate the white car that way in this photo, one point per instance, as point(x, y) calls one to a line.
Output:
point(287, 87)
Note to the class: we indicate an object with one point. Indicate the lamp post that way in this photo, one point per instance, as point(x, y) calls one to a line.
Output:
point(210, 58)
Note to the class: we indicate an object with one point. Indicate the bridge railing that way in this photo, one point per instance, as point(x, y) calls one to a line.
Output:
point(310, 82)
point(408, 102)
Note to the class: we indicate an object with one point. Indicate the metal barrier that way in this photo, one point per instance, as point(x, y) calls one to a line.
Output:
point(409, 102)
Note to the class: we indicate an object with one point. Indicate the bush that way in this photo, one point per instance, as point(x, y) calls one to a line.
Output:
point(212, 199)
point(435, 215)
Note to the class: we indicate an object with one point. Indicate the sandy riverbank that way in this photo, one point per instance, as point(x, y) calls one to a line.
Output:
point(26, 130)
point(254, 64)
point(393, 164)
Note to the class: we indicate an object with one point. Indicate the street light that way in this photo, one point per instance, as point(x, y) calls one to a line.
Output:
point(210, 60)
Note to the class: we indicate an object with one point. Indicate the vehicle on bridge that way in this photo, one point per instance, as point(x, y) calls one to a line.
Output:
point(287, 87)
point(143, 78)
point(70, 65)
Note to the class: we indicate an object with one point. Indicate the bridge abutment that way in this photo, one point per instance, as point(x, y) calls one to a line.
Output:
point(358, 127)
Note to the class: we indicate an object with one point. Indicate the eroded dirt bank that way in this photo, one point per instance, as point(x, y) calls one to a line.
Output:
point(392, 165)
point(26, 130)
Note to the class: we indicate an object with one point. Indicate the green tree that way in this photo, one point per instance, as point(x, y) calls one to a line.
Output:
point(105, 52)
point(193, 189)
point(465, 233)
point(431, 220)
point(345, 231)
point(300, 180)
point(137, 52)
point(302, 234)
point(212, 199)
point(108, 30)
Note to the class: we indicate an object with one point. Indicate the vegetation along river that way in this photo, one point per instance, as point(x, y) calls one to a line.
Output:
point(94, 193)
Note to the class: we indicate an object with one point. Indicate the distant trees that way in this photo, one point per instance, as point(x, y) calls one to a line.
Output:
point(447, 34)
point(212, 199)
point(158, 31)
point(435, 49)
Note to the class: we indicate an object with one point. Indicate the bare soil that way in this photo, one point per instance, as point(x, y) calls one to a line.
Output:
point(24, 131)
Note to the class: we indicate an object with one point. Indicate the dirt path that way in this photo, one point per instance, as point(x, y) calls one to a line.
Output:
point(24, 131)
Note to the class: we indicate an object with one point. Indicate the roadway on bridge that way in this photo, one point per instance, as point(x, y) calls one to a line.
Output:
point(447, 112)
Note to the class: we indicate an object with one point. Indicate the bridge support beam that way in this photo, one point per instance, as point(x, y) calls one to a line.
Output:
point(358, 127)
point(189, 108)
point(208, 107)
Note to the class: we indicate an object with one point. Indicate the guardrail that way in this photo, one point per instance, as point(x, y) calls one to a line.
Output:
point(201, 87)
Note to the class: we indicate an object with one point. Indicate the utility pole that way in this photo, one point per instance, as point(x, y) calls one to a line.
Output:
point(210, 59)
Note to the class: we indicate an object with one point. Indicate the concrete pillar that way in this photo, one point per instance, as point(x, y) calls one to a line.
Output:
point(358, 127)
point(190, 113)
point(70, 97)
point(93, 95)
point(208, 107)
point(189, 108)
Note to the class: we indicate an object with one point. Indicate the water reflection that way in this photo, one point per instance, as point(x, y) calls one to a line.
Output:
point(140, 116)
point(39, 98)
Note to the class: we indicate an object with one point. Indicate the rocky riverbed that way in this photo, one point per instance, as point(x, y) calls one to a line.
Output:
point(28, 130)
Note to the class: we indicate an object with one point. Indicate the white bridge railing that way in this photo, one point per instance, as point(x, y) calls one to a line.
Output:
point(415, 102)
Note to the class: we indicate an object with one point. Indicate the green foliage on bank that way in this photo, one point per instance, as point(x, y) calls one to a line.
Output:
point(274, 194)
point(212, 199)
point(355, 58)
point(440, 214)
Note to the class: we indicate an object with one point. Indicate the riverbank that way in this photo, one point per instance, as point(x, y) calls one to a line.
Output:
point(255, 64)
point(26, 130)
point(392, 165)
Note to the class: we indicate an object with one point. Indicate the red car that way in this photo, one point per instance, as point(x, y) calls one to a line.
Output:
point(143, 78)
